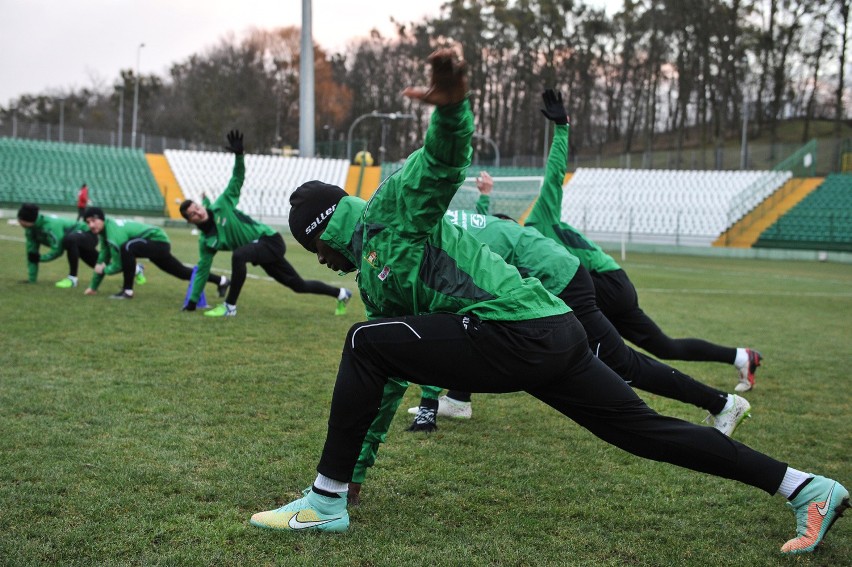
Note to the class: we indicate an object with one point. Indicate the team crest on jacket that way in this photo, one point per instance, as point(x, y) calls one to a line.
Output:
point(372, 258)
point(477, 221)
point(383, 275)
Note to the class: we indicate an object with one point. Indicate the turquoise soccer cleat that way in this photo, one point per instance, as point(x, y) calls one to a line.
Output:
point(311, 512)
point(817, 507)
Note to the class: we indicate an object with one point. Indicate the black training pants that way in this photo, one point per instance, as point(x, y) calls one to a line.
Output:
point(550, 359)
point(160, 254)
point(639, 370)
point(268, 253)
point(618, 300)
point(78, 245)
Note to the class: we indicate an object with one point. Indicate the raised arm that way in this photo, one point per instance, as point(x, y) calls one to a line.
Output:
point(485, 184)
point(231, 194)
point(548, 207)
point(422, 191)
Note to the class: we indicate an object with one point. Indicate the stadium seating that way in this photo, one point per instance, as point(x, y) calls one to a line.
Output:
point(50, 173)
point(821, 221)
point(664, 206)
point(269, 179)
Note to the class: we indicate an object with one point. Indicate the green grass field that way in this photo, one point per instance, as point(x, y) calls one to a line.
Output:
point(132, 433)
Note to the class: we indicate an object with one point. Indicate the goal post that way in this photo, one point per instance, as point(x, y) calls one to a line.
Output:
point(512, 196)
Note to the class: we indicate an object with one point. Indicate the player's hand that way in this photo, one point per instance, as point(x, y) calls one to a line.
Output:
point(448, 83)
point(485, 183)
point(235, 142)
point(99, 268)
point(190, 306)
point(553, 109)
point(90, 291)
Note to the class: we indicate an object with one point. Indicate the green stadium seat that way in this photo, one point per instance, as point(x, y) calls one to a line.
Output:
point(51, 172)
point(823, 220)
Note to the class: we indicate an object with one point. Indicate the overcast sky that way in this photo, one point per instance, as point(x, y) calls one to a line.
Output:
point(56, 45)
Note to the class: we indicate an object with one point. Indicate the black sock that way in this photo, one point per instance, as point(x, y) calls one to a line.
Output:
point(799, 489)
point(324, 492)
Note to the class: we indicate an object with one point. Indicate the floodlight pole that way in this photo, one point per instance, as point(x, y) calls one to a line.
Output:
point(307, 109)
point(136, 97)
point(120, 89)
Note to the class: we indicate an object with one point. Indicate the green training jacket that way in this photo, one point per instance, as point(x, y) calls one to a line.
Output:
point(116, 233)
point(546, 215)
point(234, 228)
point(48, 230)
point(525, 248)
point(411, 259)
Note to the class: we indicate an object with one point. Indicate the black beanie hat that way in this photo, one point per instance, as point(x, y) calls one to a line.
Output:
point(28, 212)
point(95, 212)
point(311, 207)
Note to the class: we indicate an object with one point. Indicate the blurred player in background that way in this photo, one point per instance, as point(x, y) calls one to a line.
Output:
point(82, 200)
point(222, 226)
point(123, 241)
point(61, 235)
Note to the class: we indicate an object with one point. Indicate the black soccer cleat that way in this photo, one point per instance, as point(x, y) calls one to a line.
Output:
point(424, 421)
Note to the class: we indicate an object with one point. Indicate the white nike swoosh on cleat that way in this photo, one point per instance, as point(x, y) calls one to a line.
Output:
point(823, 510)
point(295, 524)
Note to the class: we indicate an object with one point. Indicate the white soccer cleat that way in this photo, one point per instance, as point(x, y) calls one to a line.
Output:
point(728, 419)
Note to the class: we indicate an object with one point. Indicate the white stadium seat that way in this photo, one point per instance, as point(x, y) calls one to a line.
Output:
point(664, 206)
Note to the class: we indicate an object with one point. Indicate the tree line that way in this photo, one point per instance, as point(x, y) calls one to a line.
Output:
point(690, 68)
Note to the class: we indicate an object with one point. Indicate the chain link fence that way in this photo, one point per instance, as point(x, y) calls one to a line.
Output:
point(149, 143)
point(755, 157)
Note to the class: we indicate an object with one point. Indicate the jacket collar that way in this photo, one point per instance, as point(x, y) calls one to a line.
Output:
point(343, 231)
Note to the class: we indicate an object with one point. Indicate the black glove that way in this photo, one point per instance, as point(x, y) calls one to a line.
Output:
point(553, 108)
point(33, 257)
point(235, 142)
point(190, 306)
